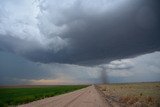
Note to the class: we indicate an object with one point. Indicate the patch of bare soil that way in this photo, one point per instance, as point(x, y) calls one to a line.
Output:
point(132, 95)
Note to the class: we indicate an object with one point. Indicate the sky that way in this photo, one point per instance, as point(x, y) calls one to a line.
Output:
point(50, 42)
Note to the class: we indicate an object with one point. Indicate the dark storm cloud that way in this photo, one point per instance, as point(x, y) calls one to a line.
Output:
point(12, 44)
point(95, 35)
point(17, 70)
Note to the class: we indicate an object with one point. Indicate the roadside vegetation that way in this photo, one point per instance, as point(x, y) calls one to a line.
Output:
point(134, 94)
point(21, 95)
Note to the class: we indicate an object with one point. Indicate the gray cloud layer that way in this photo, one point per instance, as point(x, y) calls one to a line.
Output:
point(17, 70)
point(83, 32)
point(141, 68)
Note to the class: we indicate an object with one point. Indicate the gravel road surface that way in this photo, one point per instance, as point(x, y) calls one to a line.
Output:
point(86, 97)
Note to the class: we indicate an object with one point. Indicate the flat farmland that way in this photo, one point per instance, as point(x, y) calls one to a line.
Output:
point(23, 94)
point(132, 94)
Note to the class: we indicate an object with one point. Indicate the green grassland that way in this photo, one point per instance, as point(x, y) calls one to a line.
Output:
point(134, 94)
point(21, 95)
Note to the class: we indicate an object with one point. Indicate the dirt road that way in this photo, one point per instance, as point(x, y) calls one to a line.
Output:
point(86, 97)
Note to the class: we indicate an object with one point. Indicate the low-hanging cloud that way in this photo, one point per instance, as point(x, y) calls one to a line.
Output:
point(17, 70)
point(120, 64)
point(83, 32)
point(144, 68)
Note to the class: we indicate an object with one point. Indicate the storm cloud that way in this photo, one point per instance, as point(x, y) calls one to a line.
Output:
point(141, 68)
point(83, 32)
point(16, 70)
point(79, 41)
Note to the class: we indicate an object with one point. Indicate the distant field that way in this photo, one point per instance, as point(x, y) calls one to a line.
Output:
point(24, 94)
point(134, 94)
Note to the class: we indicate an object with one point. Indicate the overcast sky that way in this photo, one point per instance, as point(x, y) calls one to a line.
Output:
point(73, 41)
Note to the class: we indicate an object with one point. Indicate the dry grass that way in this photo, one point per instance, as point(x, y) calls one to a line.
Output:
point(135, 94)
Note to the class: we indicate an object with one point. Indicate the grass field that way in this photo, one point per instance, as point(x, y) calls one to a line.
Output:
point(21, 95)
point(134, 94)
